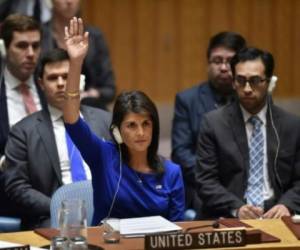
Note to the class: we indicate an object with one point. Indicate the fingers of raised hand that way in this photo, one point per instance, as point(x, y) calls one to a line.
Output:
point(75, 28)
point(80, 27)
point(75, 25)
point(86, 37)
point(67, 35)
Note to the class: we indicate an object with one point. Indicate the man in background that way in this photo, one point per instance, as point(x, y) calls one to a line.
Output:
point(19, 93)
point(40, 10)
point(193, 103)
point(248, 156)
point(40, 156)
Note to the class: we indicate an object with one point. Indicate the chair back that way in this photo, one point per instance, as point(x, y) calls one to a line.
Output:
point(77, 190)
point(9, 224)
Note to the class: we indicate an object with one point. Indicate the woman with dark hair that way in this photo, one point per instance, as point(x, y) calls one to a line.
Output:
point(129, 178)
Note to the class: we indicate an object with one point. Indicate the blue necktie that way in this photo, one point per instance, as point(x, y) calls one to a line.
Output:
point(254, 193)
point(76, 164)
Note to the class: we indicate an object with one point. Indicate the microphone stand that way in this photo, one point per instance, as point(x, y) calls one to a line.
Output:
point(215, 224)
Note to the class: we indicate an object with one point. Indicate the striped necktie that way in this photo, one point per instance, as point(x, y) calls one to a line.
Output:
point(254, 193)
point(27, 97)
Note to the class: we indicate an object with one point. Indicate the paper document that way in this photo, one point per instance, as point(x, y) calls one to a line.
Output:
point(6, 244)
point(135, 227)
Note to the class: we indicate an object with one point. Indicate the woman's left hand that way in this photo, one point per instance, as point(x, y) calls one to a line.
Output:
point(76, 39)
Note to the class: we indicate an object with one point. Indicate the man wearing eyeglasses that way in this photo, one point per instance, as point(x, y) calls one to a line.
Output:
point(193, 103)
point(248, 155)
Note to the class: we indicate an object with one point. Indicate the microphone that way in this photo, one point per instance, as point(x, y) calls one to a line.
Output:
point(215, 224)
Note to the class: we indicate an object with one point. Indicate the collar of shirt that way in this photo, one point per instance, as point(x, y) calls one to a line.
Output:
point(262, 114)
point(11, 82)
point(55, 113)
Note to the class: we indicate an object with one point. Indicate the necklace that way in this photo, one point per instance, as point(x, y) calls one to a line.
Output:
point(139, 180)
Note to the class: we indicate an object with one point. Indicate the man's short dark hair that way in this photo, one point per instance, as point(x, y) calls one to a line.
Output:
point(251, 54)
point(52, 56)
point(228, 40)
point(20, 23)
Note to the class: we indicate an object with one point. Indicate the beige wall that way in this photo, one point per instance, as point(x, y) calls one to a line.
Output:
point(159, 46)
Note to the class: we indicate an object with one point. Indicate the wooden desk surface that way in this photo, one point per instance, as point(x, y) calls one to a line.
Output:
point(275, 227)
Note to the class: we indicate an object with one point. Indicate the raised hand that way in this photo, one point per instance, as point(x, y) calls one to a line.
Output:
point(76, 39)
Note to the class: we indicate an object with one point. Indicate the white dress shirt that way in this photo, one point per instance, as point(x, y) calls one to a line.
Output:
point(61, 145)
point(268, 191)
point(15, 105)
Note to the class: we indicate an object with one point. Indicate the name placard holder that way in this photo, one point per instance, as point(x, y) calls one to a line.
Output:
point(209, 239)
point(25, 247)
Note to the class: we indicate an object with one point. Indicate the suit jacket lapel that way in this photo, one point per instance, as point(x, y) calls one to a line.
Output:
point(207, 97)
point(87, 114)
point(45, 130)
point(4, 125)
point(237, 125)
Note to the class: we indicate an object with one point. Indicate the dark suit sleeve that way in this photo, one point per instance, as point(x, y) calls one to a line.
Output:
point(97, 66)
point(98, 120)
point(292, 196)
point(290, 168)
point(18, 177)
point(183, 141)
point(216, 197)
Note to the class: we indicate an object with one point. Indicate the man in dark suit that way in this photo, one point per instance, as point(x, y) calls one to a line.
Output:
point(193, 103)
point(22, 38)
point(37, 155)
point(248, 156)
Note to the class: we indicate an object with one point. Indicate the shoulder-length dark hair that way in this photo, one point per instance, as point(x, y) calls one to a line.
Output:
point(138, 102)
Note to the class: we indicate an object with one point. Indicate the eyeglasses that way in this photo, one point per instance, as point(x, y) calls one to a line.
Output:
point(254, 81)
point(220, 60)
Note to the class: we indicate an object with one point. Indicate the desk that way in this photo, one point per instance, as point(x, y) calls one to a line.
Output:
point(275, 227)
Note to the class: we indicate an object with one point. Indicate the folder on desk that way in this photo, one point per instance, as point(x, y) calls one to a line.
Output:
point(233, 222)
point(138, 227)
point(294, 227)
point(5, 245)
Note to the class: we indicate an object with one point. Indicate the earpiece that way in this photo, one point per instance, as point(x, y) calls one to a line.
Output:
point(82, 82)
point(2, 49)
point(272, 83)
point(116, 134)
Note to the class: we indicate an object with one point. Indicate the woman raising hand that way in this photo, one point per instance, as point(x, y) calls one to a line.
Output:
point(129, 178)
